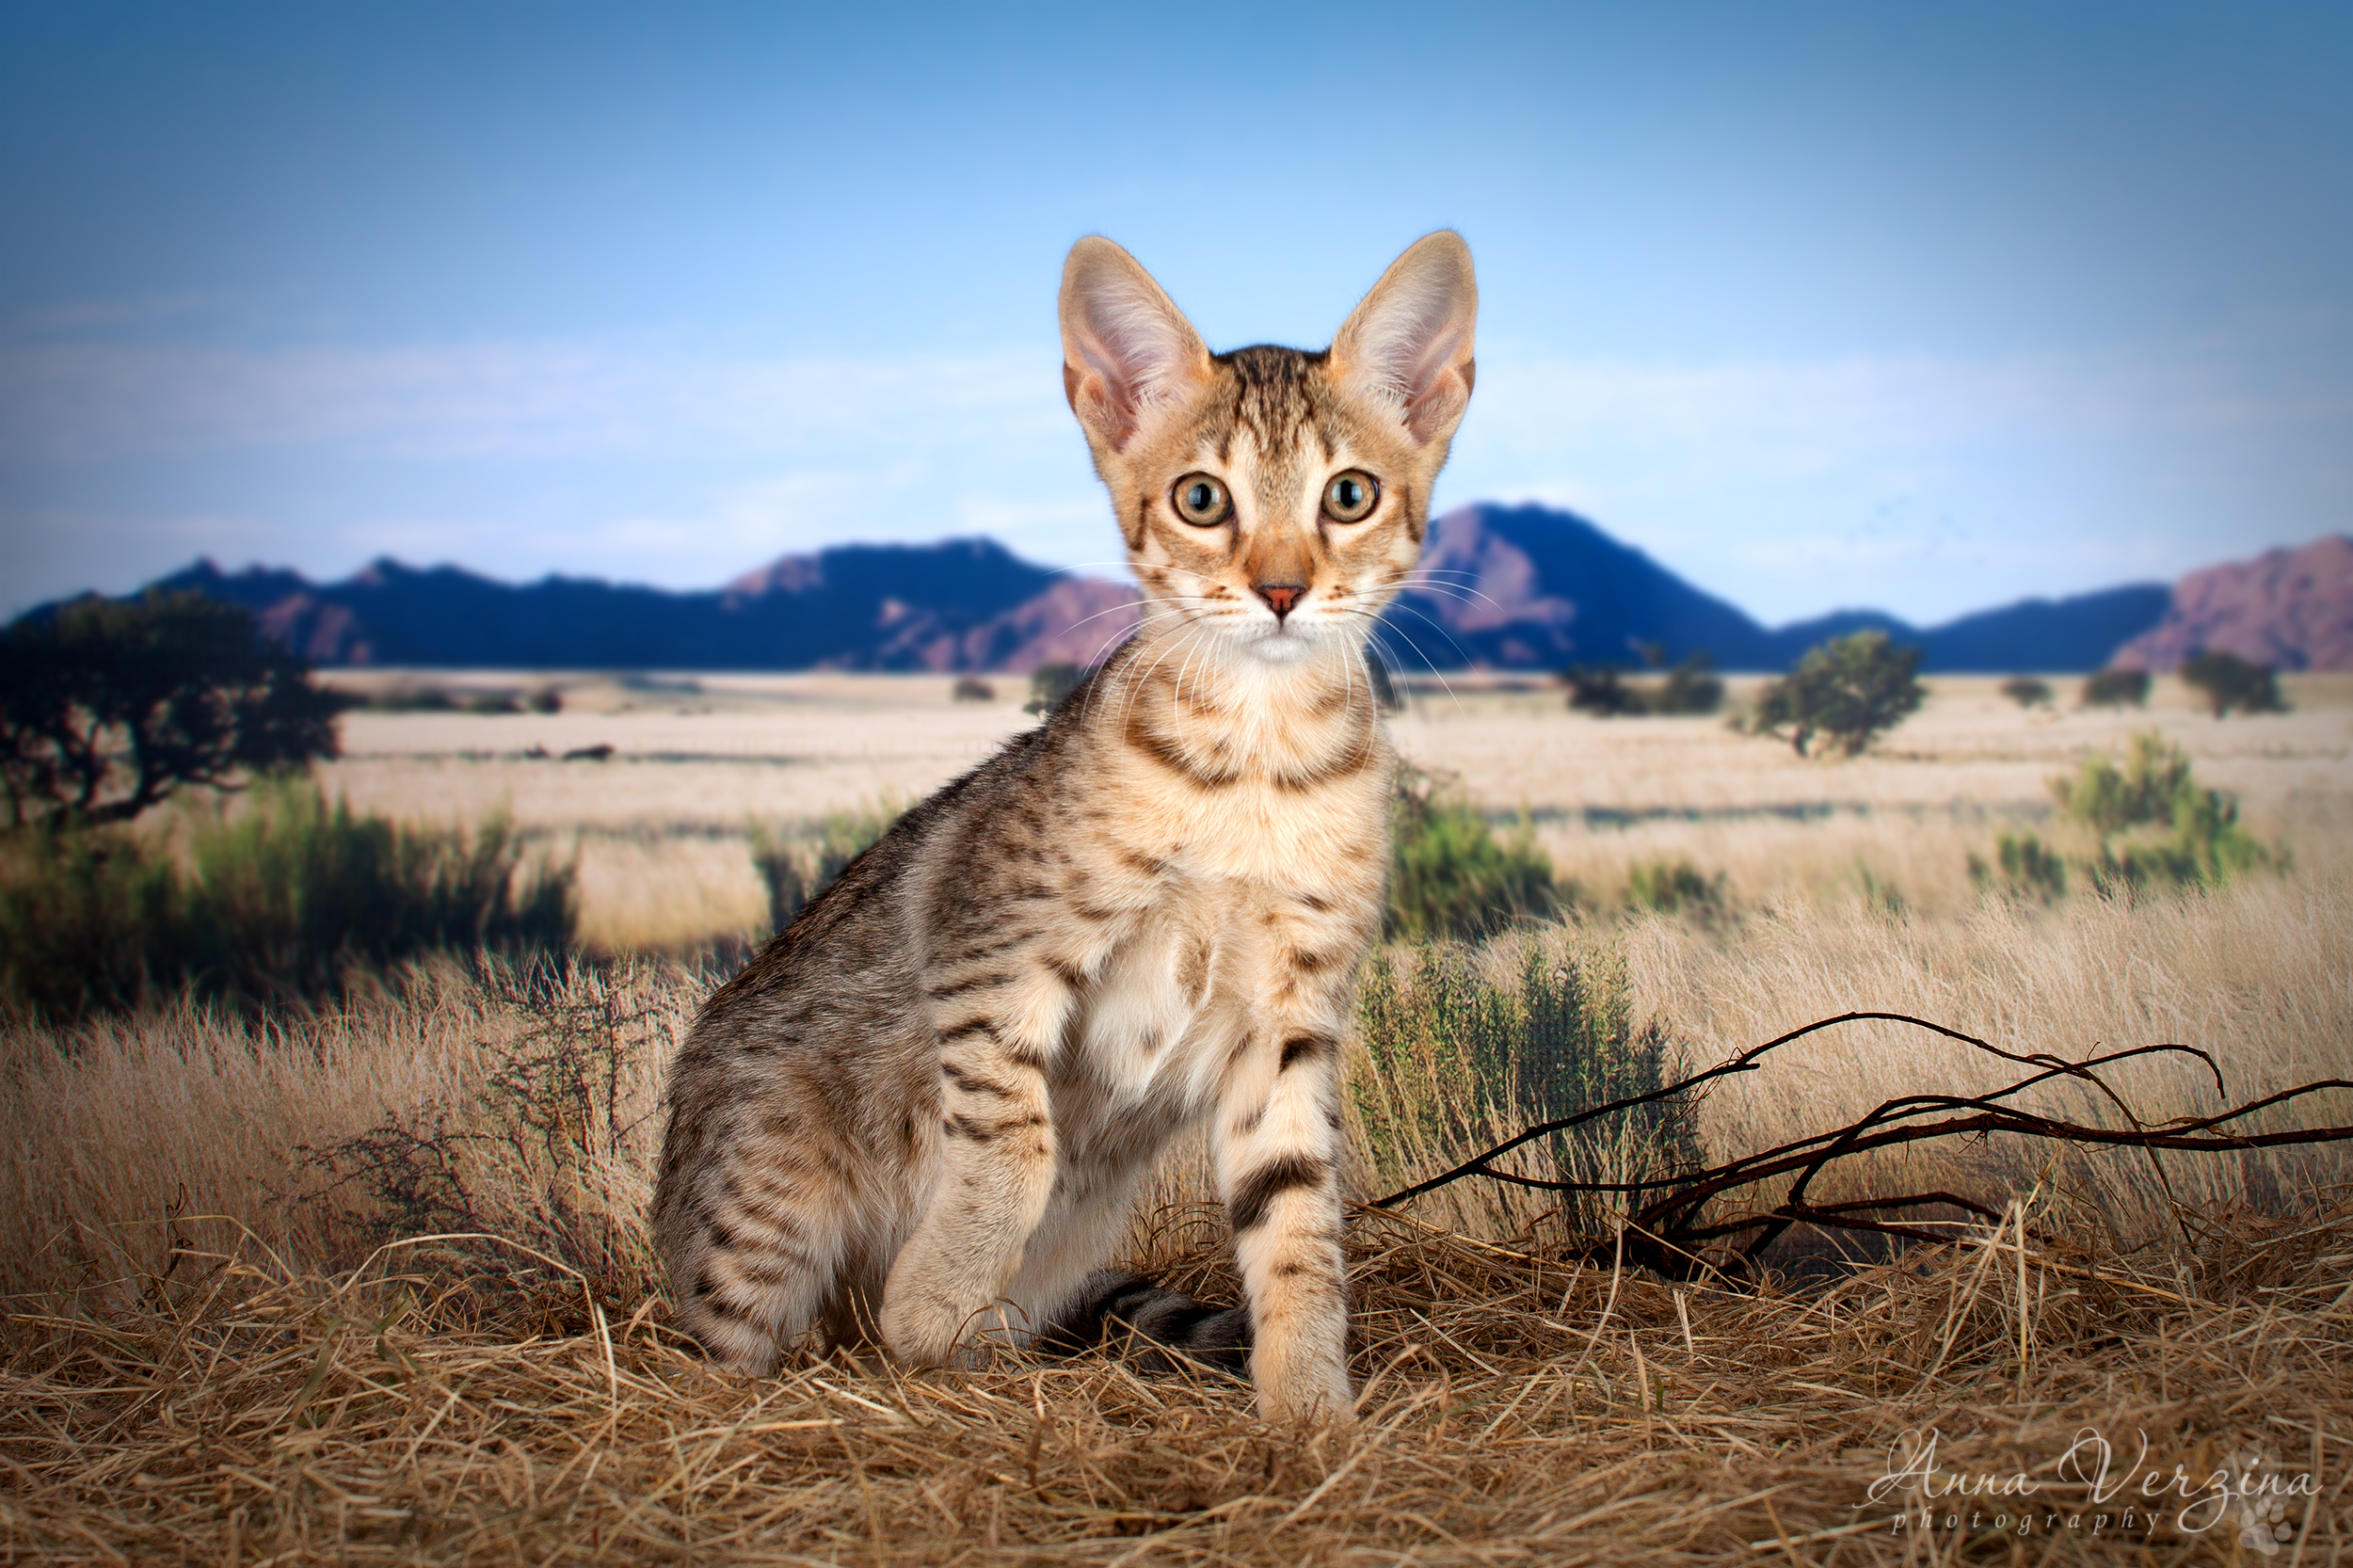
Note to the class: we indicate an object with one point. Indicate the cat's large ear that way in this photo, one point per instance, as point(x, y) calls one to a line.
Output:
point(1127, 349)
point(1407, 346)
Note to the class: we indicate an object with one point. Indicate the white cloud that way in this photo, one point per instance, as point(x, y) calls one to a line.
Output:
point(514, 401)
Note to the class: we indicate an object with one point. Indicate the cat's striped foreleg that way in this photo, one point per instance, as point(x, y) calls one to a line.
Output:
point(1277, 1158)
point(997, 1164)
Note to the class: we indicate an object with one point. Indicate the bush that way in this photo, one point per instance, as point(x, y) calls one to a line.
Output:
point(1049, 684)
point(282, 902)
point(1688, 689)
point(414, 700)
point(550, 1148)
point(799, 866)
point(2117, 688)
point(547, 699)
point(2155, 824)
point(972, 688)
point(2231, 682)
point(1603, 689)
point(2028, 692)
point(1449, 876)
point(1846, 691)
point(107, 707)
point(2023, 866)
point(1458, 1054)
point(1676, 888)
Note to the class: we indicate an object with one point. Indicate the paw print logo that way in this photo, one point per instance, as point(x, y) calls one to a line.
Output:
point(2261, 1517)
point(2262, 1525)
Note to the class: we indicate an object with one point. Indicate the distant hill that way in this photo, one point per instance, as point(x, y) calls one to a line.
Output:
point(1528, 587)
point(2287, 609)
point(958, 604)
point(1509, 587)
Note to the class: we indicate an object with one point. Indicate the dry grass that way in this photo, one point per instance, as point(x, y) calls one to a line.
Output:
point(181, 1388)
point(2260, 974)
point(659, 828)
point(202, 1362)
point(1514, 1409)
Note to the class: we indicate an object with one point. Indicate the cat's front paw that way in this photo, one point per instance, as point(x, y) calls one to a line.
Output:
point(920, 1329)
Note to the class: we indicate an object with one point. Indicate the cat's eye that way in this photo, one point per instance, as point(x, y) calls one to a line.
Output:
point(1201, 500)
point(1352, 496)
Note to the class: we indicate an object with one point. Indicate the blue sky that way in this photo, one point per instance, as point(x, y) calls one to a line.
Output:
point(1919, 307)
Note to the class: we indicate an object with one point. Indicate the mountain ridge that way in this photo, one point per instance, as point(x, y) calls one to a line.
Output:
point(1510, 587)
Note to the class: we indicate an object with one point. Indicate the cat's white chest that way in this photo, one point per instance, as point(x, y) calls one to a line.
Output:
point(1142, 1029)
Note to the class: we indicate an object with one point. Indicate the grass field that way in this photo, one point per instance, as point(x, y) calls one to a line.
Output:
point(660, 826)
point(228, 1343)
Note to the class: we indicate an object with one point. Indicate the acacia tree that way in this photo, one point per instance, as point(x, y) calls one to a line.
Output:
point(1845, 692)
point(2228, 681)
point(107, 707)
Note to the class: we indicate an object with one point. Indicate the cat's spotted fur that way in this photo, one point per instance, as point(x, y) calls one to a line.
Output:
point(920, 1114)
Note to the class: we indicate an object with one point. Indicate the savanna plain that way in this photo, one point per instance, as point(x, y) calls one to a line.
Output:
point(368, 1280)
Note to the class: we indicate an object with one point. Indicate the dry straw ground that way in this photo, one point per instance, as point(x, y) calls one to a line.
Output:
point(226, 1342)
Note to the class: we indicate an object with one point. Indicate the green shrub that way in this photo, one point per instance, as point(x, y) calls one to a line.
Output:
point(2028, 692)
point(414, 700)
point(1676, 888)
point(279, 902)
point(2023, 866)
point(1049, 684)
point(1459, 1055)
point(1603, 689)
point(2117, 688)
point(797, 866)
point(1689, 688)
point(2154, 823)
point(972, 688)
point(1845, 692)
point(1449, 876)
point(2232, 683)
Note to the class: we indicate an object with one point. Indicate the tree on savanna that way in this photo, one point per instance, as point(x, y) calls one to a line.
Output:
point(1845, 692)
point(2117, 688)
point(2229, 682)
point(108, 707)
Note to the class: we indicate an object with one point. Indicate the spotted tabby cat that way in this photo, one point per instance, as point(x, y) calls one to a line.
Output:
point(922, 1112)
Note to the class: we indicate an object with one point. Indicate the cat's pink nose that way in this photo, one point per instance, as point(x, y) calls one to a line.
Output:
point(1281, 597)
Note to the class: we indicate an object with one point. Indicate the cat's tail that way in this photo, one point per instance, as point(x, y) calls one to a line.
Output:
point(1121, 1310)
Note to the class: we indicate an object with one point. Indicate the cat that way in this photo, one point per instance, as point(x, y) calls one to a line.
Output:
point(920, 1114)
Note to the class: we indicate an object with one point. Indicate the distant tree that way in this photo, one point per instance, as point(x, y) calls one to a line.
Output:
point(1603, 689)
point(1689, 688)
point(1845, 691)
point(108, 707)
point(2231, 682)
point(972, 688)
point(1600, 689)
point(2117, 688)
point(1048, 685)
point(2028, 692)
